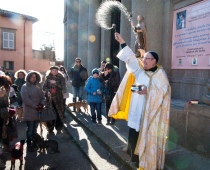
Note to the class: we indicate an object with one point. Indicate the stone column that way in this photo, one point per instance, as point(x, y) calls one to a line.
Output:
point(125, 31)
point(105, 42)
point(83, 31)
point(72, 32)
point(167, 38)
point(94, 38)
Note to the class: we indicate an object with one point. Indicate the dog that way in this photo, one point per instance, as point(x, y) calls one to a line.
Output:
point(44, 144)
point(35, 139)
point(84, 104)
point(78, 105)
point(17, 153)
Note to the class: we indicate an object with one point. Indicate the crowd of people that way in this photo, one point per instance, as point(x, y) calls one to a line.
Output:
point(27, 91)
point(147, 115)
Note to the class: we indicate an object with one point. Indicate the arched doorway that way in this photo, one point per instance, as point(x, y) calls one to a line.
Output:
point(114, 46)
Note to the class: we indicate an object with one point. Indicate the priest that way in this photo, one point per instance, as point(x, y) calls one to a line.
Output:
point(147, 109)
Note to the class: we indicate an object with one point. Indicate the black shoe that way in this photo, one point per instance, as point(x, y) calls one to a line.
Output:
point(99, 122)
point(108, 123)
point(134, 164)
point(112, 123)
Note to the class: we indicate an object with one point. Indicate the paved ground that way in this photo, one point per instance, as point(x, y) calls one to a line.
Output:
point(102, 145)
point(70, 156)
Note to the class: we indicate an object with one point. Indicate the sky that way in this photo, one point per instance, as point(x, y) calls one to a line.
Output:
point(49, 29)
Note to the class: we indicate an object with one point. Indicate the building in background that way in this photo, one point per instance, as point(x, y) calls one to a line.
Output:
point(16, 44)
point(84, 39)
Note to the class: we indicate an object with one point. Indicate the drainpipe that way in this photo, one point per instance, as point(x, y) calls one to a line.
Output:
point(24, 46)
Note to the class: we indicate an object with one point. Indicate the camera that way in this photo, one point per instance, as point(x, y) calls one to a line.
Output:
point(136, 88)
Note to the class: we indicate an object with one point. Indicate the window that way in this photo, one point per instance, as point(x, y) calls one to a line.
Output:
point(9, 65)
point(8, 39)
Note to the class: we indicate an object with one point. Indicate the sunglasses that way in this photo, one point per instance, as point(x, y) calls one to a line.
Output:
point(78, 61)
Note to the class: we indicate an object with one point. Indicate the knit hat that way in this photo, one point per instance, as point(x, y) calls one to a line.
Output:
point(154, 54)
point(54, 67)
point(95, 70)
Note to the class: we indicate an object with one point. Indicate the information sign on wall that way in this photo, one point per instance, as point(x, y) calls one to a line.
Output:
point(191, 37)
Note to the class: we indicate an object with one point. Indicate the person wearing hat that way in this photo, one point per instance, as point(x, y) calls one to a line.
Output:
point(148, 113)
point(54, 87)
point(93, 87)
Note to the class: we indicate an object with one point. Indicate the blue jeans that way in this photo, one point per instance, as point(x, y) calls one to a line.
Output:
point(97, 107)
point(31, 130)
point(77, 92)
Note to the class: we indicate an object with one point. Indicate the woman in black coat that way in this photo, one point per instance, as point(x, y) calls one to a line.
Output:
point(5, 83)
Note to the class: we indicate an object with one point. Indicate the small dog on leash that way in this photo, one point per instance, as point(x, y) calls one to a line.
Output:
point(44, 144)
point(78, 105)
point(17, 153)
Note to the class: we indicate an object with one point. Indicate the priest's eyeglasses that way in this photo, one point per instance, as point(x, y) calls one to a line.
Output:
point(148, 58)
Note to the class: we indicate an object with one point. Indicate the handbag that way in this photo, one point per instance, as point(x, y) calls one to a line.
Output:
point(47, 114)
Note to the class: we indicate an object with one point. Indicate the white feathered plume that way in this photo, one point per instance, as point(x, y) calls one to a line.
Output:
point(104, 12)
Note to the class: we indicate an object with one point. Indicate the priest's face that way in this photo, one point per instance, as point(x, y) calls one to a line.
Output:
point(149, 61)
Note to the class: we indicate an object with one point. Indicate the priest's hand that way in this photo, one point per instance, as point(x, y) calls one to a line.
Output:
point(143, 91)
point(119, 38)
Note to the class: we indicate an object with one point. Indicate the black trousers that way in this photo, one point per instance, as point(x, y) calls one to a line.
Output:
point(109, 119)
point(132, 141)
point(55, 123)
